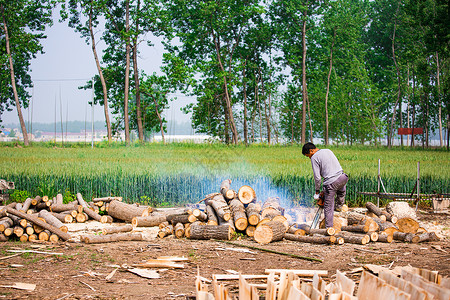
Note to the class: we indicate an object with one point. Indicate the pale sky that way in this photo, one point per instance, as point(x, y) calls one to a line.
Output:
point(68, 63)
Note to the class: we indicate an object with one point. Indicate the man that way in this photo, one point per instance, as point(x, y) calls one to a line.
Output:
point(325, 165)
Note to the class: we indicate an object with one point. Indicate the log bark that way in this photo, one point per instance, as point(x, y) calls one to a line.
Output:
point(271, 208)
point(212, 218)
point(383, 225)
point(427, 237)
point(356, 228)
point(368, 221)
point(64, 217)
point(226, 191)
point(405, 237)
point(178, 218)
point(192, 218)
point(150, 221)
point(269, 232)
point(65, 236)
point(380, 213)
point(385, 238)
point(92, 214)
point(3, 238)
point(179, 230)
point(282, 219)
point(354, 239)
point(220, 207)
point(325, 231)
point(96, 239)
point(352, 217)
point(310, 239)
point(164, 224)
point(117, 229)
point(239, 215)
point(407, 225)
point(5, 222)
point(253, 213)
point(52, 220)
point(107, 199)
point(26, 205)
point(126, 212)
point(219, 232)
point(200, 215)
point(65, 207)
point(246, 194)
point(59, 199)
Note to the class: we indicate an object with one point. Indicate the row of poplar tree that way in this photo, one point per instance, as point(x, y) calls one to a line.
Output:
point(345, 71)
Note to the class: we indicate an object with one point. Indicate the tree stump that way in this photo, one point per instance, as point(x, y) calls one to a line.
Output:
point(150, 221)
point(126, 212)
point(219, 232)
point(269, 232)
point(310, 239)
point(239, 215)
point(246, 194)
point(220, 207)
point(253, 213)
point(226, 191)
point(212, 218)
point(94, 239)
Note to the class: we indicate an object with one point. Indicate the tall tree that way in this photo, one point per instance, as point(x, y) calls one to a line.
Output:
point(91, 11)
point(22, 25)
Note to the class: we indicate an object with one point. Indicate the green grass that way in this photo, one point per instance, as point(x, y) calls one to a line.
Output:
point(161, 175)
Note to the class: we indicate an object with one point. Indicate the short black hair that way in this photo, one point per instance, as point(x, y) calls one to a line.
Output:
point(308, 147)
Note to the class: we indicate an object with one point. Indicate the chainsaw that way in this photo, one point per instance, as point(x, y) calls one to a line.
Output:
point(320, 203)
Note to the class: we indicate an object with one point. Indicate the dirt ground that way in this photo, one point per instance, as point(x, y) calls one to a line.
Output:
point(80, 271)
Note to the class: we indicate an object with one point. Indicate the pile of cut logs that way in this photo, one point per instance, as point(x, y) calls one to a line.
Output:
point(220, 216)
point(44, 219)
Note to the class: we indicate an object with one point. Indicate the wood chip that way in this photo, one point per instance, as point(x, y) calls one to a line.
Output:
point(150, 274)
point(35, 251)
point(110, 275)
point(21, 286)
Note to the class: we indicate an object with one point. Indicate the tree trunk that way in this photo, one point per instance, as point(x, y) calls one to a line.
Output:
point(304, 91)
point(13, 79)
point(26, 205)
point(226, 190)
point(178, 218)
point(328, 88)
point(405, 237)
point(244, 89)
point(266, 114)
point(220, 207)
point(391, 131)
point(102, 78)
point(136, 78)
point(127, 73)
point(253, 213)
point(126, 212)
point(385, 238)
point(310, 239)
point(269, 232)
point(323, 231)
point(65, 207)
point(219, 232)
point(239, 215)
point(148, 221)
point(52, 220)
point(271, 208)
point(64, 217)
point(65, 236)
point(438, 71)
point(95, 239)
point(212, 218)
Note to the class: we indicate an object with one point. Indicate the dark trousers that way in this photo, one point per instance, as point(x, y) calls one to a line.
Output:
point(332, 191)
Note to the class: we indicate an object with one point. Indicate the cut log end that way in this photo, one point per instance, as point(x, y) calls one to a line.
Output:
point(246, 194)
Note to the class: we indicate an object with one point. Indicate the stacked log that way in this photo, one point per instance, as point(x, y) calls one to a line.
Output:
point(218, 232)
point(220, 206)
point(239, 214)
point(269, 232)
point(226, 191)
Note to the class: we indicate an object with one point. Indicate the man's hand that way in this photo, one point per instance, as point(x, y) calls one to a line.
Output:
point(316, 196)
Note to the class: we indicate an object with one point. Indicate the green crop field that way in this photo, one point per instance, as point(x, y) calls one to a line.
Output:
point(182, 173)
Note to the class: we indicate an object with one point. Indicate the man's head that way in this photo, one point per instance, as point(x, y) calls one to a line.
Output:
point(309, 149)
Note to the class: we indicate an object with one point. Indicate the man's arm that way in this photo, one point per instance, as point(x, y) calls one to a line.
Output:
point(317, 177)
